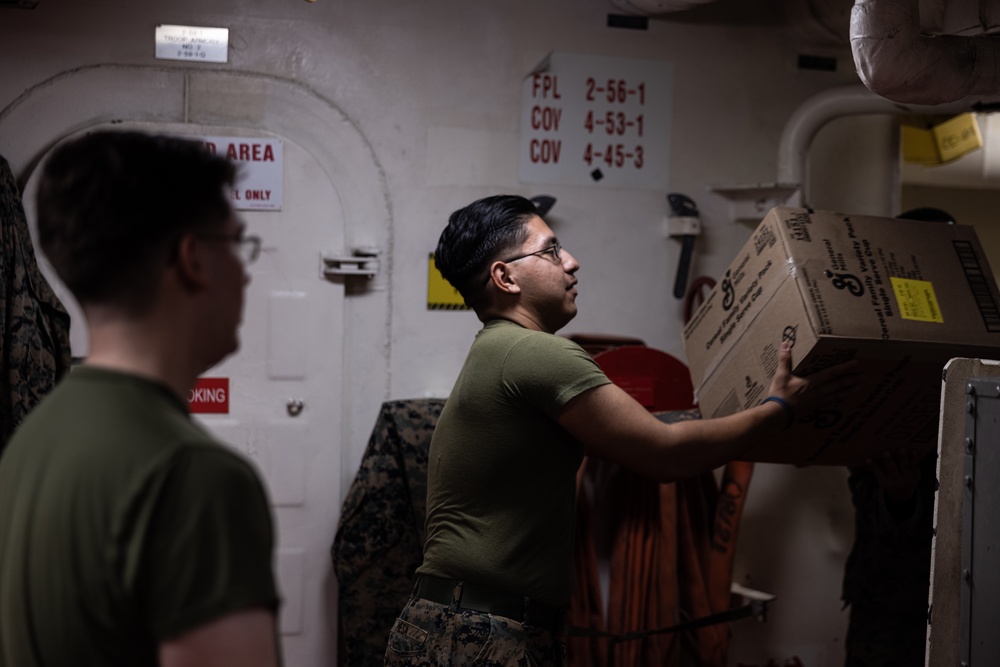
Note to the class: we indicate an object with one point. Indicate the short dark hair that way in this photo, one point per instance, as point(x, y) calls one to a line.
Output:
point(112, 205)
point(477, 235)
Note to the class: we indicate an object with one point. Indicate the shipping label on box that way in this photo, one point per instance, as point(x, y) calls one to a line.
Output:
point(902, 297)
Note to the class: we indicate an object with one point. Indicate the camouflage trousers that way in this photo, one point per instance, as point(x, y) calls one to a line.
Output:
point(428, 634)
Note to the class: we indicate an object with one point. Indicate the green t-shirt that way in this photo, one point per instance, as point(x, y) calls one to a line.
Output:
point(501, 472)
point(123, 523)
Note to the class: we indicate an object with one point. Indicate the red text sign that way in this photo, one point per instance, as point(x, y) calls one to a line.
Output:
point(593, 120)
point(261, 160)
point(210, 396)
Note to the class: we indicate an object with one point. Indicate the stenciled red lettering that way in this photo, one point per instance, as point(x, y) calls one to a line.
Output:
point(207, 395)
point(545, 118)
point(545, 151)
point(249, 152)
point(547, 85)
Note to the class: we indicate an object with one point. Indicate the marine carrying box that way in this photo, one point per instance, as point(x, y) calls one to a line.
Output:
point(901, 296)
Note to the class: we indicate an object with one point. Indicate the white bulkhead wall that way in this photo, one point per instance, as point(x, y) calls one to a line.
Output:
point(428, 97)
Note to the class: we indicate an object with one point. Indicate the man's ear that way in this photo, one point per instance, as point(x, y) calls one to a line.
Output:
point(503, 278)
point(190, 262)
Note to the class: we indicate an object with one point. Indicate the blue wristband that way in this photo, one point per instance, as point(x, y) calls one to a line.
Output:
point(789, 410)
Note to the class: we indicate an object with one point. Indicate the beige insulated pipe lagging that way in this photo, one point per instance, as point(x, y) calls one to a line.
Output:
point(897, 61)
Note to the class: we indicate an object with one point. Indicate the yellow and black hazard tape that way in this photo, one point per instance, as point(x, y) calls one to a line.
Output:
point(447, 306)
point(440, 294)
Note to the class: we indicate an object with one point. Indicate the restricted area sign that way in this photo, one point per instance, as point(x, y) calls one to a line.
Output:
point(209, 396)
point(261, 167)
point(591, 120)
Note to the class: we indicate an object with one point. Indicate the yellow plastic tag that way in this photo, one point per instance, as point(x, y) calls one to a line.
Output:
point(916, 300)
point(440, 294)
point(957, 136)
point(942, 143)
point(918, 145)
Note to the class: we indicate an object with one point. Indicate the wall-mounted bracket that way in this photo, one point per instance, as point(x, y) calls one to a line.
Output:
point(361, 262)
point(750, 203)
point(682, 226)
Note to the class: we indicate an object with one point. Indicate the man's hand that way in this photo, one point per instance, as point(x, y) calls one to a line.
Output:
point(818, 389)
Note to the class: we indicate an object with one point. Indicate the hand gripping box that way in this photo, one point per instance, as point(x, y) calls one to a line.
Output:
point(901, 296)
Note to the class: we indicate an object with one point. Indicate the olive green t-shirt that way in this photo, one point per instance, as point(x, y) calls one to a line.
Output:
point(501, 472)
point(123, 523)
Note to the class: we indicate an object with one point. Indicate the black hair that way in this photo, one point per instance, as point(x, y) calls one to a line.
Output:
point(478, 235)
point(112, 205)
point(927, 214)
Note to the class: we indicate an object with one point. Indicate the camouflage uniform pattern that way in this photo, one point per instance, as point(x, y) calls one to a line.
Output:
point(379, 545)
point(887, 575)
point(380, 538)
point(428, 634)
point(33, 322)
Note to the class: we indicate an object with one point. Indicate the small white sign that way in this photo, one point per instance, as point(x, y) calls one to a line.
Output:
point(261, 166)
point(593, 120)
point(181, 42)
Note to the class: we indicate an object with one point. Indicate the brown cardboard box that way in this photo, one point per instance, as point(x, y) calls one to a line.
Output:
point(901, 296)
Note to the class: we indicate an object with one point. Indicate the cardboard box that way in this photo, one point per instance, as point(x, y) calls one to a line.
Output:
point(901, 296)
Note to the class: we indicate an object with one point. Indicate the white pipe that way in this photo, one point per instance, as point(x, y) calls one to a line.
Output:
point(896, 61)
point(820, 109)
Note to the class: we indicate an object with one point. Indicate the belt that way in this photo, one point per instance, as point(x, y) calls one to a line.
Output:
point(490, 600)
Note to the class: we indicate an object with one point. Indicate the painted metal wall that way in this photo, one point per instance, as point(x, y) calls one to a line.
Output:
point(431, 94)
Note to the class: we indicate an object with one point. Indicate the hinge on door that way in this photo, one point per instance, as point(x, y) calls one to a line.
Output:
point(361, 262)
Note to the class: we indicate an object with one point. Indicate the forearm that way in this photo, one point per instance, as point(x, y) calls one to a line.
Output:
point(693, 447)
point(613, 426)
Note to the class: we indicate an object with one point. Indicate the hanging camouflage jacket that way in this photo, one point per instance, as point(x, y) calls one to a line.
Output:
point(33, 323)
point(380, 538)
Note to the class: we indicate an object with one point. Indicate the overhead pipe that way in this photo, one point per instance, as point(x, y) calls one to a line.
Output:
point(820, 109)
point(895, 60)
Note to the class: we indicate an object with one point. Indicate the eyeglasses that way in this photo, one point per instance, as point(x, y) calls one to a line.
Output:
point(247, 245)
point(552, 251)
